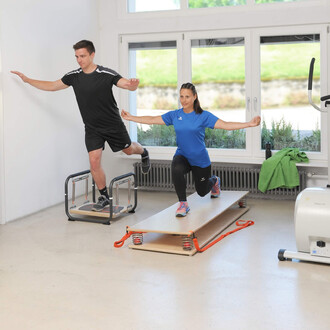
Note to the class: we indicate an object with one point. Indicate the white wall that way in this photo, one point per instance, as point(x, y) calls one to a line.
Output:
point(309, 12)
point(2, 205)
point(41, 133)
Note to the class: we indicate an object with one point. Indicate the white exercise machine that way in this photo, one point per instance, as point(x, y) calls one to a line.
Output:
point(312, 209)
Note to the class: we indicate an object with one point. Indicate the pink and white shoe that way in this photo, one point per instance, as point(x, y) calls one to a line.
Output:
point(182, 210)
point(216, 191)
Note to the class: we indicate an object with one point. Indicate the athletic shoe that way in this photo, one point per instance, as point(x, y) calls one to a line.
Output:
point(215, 191)
point(182, 210)
point(101, 204)
point(145, 162)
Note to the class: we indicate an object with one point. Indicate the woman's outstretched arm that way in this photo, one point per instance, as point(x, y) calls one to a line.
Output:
point(230, 126)
point(149, 120)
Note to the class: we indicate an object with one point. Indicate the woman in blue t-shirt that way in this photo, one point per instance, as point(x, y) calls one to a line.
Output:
point(191, 155)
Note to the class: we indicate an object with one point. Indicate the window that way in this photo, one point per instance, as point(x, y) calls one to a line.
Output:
point(140, 6)
point(273, 1)
point(214, 3)
point(155, 63)
point(238, 74)
point(152, 5)
point(287, 118)
point(218, 72)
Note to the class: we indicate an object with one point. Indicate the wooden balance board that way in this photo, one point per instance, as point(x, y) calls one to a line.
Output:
point(207, 218)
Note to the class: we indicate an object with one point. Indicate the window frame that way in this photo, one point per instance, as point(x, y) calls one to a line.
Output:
point(253, 154)
point(184, 10)
point(161, 152)
point(219, 154)
point(184, 75)
point(291, 30)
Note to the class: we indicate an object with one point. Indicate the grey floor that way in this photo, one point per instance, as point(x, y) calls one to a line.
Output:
point(56, 274)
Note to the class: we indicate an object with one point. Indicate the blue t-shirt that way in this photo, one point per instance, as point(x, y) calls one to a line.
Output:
point(190, 134)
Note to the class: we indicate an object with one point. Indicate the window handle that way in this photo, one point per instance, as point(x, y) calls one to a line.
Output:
point(248, 101)
point(255, 104)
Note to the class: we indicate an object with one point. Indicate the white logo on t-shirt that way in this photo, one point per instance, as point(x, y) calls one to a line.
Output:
point(180, 118)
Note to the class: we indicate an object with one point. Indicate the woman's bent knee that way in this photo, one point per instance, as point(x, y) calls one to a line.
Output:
point(201, 193)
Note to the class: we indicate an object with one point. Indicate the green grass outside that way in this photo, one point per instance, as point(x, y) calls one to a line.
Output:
point(157, 67)
point(227, 64)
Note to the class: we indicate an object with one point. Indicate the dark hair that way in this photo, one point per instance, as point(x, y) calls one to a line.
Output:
point(197, 106)
point(85, 44)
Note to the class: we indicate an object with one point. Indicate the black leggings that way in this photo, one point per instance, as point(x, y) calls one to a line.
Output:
point(202, 177)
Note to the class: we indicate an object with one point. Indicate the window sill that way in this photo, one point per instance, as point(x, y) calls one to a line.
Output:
point(156, 153)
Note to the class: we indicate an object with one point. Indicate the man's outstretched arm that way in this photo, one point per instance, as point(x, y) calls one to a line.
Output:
point(51, 86)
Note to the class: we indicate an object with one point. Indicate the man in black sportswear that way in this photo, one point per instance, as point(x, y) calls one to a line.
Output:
point(92, 85)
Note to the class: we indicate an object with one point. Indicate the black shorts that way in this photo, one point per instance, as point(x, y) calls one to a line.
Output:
point(117, 140)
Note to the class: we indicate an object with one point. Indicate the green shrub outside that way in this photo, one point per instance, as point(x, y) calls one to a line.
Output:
point(281, 135)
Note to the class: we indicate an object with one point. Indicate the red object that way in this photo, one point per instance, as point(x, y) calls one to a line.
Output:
point(241, 224)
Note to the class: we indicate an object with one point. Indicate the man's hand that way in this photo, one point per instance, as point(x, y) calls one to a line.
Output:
point(50, 86)
point(130, 84)
point(21, 75)
point(133, 84)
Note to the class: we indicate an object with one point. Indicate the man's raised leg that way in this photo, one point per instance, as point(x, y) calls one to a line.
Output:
point(136, 148)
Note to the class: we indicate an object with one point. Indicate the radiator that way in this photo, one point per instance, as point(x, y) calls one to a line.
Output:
point(232, 178)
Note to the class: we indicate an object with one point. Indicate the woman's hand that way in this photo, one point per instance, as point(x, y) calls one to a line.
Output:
point(125, 114)
point(255, 121)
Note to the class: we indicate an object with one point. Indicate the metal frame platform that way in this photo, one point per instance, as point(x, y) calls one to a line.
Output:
point(112, 211)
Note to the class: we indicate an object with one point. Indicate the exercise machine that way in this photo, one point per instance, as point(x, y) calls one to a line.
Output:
point(312, 209)
point(84, 212)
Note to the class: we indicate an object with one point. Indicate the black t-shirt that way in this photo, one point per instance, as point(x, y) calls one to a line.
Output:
point(96, 102)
